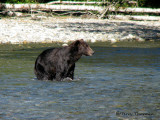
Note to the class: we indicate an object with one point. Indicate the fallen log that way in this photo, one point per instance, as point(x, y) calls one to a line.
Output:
point(135, 10)
point(87, 3)
point(77, 7)
point(134, 17)
point(50, 7)
point(75, 3)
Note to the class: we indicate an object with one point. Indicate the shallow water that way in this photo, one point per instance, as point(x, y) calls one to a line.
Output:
point(116, 83)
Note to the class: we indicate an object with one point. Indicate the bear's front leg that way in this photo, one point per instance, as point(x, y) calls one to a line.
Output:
point(65, 73)
point(59, 76)
point(64, 76)
point(70, 73)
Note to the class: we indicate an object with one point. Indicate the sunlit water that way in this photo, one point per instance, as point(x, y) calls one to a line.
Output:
point(116, 83)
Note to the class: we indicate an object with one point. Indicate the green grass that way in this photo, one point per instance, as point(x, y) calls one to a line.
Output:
point(20, 1)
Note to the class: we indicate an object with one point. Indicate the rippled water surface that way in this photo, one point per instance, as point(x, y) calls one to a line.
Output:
point(120, 81)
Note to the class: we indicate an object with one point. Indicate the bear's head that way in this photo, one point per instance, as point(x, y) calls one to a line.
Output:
point(82, 48)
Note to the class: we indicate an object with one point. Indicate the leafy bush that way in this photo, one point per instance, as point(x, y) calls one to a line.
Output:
point(18, 1)
point(149, 3)
point(23, 1)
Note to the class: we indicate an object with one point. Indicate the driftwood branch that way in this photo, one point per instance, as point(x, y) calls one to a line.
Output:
point(107, 9)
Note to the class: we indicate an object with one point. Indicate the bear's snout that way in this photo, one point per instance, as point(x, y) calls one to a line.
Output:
point(90, 52)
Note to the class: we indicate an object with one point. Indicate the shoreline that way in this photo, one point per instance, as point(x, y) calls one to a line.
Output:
point(18, 30)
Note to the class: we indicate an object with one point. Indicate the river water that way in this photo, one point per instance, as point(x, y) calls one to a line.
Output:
point(120, 81)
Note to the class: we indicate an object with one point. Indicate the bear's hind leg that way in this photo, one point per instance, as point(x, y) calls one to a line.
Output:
point(42, 76)
point(40, 72)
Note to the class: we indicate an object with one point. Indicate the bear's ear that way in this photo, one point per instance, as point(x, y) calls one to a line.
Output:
point(77, 42)
point(81, 40)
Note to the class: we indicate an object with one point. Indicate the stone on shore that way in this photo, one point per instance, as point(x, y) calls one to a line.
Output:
point(47, 30)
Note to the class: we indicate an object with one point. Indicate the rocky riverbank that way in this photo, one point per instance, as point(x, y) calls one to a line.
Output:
point(62, 29)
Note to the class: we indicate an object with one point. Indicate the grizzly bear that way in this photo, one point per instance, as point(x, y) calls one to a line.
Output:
point(59, 63)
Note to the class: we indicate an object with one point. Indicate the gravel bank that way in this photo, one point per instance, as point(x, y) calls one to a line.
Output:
point(24, 30)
